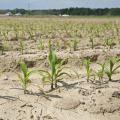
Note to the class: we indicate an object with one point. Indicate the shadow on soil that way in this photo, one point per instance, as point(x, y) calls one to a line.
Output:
point(8, 98)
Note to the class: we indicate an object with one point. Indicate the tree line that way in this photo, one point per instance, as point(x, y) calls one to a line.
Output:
point(68, 11)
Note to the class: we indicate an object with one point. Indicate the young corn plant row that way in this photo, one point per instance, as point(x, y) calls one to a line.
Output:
point(38, 29)
point(108, 68)
point(56, 72)
point(53, 76)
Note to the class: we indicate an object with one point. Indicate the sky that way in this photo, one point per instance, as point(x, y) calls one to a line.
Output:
point(57, 4)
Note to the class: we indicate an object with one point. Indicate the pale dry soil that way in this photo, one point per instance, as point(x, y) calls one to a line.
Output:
point(75, 99)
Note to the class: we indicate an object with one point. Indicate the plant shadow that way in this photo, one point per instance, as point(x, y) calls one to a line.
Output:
point(45, 95)
point(69, 86)
point(115, 81)
point(8, 98)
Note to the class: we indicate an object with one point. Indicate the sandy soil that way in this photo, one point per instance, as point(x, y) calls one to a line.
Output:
point(75, 99)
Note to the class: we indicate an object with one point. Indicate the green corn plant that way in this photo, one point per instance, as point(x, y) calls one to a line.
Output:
point(100, 73)
point(58, 44)
point(65, 44)
point(1, 48)
point(74, 44)
point(41, 45)
point(92, 43)
point(87, 64)
point(5, 35)
point(30, 31)
point(25, 76)
point(111, 66)
point(16, 32)
point(56, 70)
point(109, 42)
point(49, 45)
point(22, 46)
point(6, 46)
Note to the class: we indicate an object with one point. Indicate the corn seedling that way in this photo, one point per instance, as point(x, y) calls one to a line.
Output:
point(100, 73)
point(22, 46)
point(25, 76)
point(65, 44)
point(111, 66)
point(109, 42)
point(74, 44)
point(6, 46)
point(56, 70)
point(92, 43)
point(58, 44)
point(1, 48)
point(87, 64)
point(41, 45)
